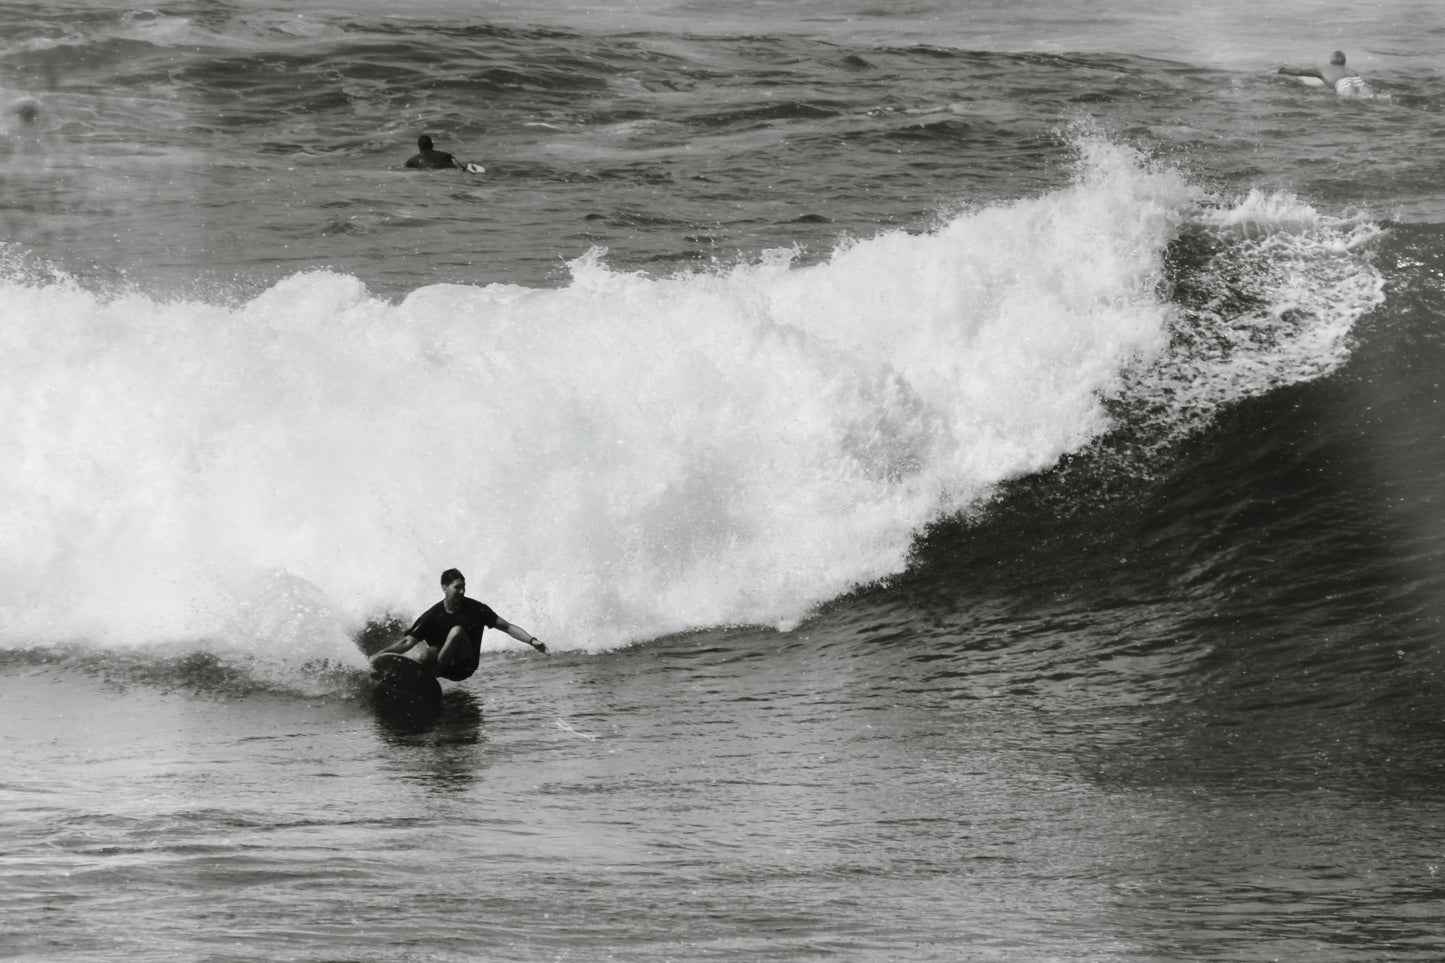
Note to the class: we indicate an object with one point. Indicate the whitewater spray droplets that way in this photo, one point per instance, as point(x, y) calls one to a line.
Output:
point(1265, 293)
point(619, 458)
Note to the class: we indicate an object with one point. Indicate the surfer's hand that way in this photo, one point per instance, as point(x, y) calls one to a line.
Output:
point(538, 645)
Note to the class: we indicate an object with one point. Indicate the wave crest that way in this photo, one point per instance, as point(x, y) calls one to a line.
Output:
point(628, 456)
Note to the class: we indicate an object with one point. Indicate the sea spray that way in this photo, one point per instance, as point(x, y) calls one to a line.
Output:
point(618, 458)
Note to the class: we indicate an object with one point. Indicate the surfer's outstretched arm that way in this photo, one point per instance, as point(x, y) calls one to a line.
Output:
point(520, 634)
point(1302, 72)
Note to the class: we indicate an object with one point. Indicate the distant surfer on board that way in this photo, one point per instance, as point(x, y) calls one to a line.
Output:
point(17, 111)
point(1346, 81)
point(428, 158)
point(451, 630)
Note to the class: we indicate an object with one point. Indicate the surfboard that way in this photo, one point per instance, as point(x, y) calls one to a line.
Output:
point(1356, 87)
point(1347, 87)
point(403, 682)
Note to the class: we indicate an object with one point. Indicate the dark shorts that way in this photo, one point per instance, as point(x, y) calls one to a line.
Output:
point(461, 668)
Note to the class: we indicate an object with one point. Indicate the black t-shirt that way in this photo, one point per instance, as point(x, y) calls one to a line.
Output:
point(436, 622)
point(432, 160)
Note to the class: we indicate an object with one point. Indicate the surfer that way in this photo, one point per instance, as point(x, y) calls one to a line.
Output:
point(429, 158)
point(1331, 73)
point(452, 631)
point(26, 110)
point(21, 111)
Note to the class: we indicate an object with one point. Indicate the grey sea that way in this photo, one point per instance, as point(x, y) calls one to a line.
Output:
point(977, 468)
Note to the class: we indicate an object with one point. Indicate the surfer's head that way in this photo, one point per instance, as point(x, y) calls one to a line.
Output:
point(454, 586)
point(1338, 58)
point(424, 143)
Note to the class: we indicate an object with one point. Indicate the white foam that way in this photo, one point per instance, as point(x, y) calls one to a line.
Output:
point(618, 458)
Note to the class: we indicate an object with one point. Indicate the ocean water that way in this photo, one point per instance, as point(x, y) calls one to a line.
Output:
point(977, 468)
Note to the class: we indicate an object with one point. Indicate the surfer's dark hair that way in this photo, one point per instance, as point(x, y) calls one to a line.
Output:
point(424, 142)
point(451, 575)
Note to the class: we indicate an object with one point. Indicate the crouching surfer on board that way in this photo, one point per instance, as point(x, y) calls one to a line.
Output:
point(451, 630)
point(1345, 80)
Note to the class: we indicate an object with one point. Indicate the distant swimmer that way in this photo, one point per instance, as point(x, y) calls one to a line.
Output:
point(429, 158)
point(18, 111)
point(1346, 81)
point(451, 630)
point(26, 110)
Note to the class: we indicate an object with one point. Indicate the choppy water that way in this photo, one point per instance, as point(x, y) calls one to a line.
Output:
point(977, 470)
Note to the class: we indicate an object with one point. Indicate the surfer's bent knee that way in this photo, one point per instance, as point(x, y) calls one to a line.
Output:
point(457, 643)
point(461, 658)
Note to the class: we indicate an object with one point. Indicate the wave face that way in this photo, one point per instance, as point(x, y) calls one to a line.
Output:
point(626, 456)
